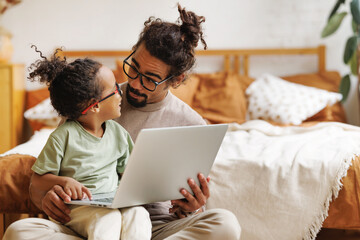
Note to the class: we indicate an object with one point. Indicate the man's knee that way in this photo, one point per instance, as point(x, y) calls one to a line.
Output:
point(38, 228)
point(227, 226)
point(14, 231)
point(10, 232)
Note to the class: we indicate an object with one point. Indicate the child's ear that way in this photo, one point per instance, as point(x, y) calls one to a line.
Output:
point(95, 108)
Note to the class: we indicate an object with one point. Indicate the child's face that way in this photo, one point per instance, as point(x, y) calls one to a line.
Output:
point(110, 107)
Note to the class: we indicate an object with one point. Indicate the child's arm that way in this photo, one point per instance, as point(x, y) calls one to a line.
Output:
point(73, 188)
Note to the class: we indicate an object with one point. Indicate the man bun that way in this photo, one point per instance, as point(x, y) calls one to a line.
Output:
point(173, 43)
point(191, 27)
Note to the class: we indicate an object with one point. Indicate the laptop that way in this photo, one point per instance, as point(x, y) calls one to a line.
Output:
point(161, 162)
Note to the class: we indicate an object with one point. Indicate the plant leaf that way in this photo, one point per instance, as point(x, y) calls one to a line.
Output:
point(355, 10)
point(335, 8)
point(353, 64)
point(350, 48)
point(344, 88)
point(354, 26)
point(333, 24)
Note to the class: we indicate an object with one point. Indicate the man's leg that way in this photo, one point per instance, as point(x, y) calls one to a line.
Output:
point(38, 229)
point(209, 225)
point(136, 224)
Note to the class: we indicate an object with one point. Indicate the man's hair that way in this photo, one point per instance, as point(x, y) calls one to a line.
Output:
point(174, 43)
point(72, 86)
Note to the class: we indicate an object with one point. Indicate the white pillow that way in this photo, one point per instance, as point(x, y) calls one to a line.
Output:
point(272, 98)
point(44, 113)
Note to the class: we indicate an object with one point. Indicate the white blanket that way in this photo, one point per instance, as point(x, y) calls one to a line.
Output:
point(35, 144)
point(279, 181)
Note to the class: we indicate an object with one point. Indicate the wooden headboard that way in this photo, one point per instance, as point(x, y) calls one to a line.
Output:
point(236, 60)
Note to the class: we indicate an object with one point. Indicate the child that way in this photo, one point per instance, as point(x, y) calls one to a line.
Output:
point(87, 154)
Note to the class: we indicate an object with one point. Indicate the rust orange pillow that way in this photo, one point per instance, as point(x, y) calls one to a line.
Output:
point(187, 90)
point(15, 173)
point(220, 98)
point(329, 81)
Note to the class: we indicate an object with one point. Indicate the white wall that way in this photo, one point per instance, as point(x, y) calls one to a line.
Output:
point(115, 24)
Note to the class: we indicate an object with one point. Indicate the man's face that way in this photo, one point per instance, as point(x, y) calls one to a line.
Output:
point(150, 66)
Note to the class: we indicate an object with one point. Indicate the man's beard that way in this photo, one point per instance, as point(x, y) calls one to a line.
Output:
point(134, 101)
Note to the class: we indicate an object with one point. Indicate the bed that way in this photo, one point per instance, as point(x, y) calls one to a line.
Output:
point(288, 165)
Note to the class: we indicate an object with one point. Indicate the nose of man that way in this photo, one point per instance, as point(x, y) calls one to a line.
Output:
point(136, 84)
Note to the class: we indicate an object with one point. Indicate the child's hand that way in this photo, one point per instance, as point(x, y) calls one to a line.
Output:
point(76, 190)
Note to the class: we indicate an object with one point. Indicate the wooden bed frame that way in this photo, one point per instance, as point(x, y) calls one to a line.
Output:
point(236, 60)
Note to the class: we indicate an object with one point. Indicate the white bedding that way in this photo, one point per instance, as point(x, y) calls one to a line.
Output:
point(279, 180)
point(35, 144)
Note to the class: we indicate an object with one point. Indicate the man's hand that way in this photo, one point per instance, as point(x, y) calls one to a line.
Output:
point(192, 203)
point(53, 204)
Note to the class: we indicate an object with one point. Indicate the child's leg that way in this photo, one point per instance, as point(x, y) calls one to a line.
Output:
point(136, 224)
point(95, 223)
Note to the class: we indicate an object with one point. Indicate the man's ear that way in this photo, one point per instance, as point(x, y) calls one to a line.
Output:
point(178, 81)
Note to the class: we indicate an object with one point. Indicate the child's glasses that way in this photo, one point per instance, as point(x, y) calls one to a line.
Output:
point(118, 90)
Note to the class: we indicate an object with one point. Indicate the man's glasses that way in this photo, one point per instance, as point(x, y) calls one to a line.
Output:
point(146, 81)
point(118, 90)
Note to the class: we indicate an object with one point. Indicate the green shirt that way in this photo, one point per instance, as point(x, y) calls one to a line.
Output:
point(95, 162)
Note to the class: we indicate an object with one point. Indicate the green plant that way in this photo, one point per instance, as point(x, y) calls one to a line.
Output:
point(351, 52)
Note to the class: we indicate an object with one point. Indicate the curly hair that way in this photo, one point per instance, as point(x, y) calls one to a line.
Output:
point(174, 43)
point(72, 86)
